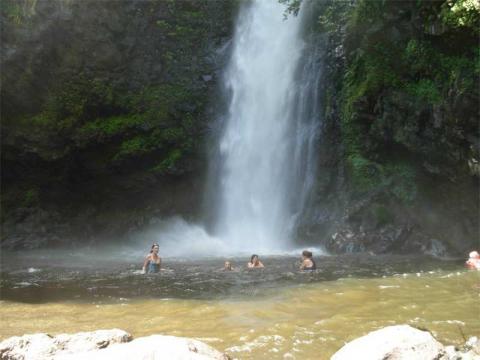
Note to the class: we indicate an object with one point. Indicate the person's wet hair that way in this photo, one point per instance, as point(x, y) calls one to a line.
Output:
point(154, 244)
point(253, 257)
point(307, 253)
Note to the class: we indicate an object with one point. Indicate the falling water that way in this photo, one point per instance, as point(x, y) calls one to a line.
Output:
point(267, 147)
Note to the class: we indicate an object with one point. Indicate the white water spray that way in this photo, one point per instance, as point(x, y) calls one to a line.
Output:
point(267, 142)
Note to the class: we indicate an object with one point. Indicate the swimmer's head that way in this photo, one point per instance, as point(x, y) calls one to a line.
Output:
point(474, 255)
point(228, 265)
point(254, 259)
point(154, 248)
point(307, 254)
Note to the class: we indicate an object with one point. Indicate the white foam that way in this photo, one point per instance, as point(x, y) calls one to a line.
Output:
point(182, 239)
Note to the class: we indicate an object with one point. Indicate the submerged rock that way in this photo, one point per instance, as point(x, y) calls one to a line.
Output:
point(105, 344)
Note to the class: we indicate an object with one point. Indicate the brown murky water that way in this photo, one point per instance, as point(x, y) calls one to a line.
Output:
point(277, 313)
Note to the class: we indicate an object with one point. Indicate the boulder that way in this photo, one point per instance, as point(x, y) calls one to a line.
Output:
point(45, 346)
point(399, 342)
point(154, 347)
point(105, 344)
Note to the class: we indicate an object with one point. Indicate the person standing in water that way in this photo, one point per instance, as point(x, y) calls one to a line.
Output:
point(255, 262)
point(227, 266)
point(473, 262)
point(152, 261)
point(307, 261)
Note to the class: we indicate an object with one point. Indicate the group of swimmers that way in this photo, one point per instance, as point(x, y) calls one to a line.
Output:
point(153, 262)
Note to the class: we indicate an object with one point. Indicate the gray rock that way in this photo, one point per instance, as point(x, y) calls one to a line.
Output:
point(153, 347)
point(436, 248)
point(45, 346)
point(105, 344)
point(399, 342)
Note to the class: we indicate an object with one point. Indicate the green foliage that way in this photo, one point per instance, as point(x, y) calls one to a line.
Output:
point(73, 103)
point(151, 120)
point(461, 14)
point(150, 123)
point(111, 126)
point(162, 99)
point(12, 10)
point(134, 146)
point(167, 165)
point(365, 174)
point(162, 24)
point(394, 178)
point(43, 119)
point(17, 11)
point(73, 99)
point(393, 81)
point(152, 141)
point(424, 90)
point(333, 16)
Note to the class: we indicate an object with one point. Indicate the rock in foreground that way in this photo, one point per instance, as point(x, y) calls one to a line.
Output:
point(45, 346)
point(105, 344)
point(403, 342)
point(153, 347)
point(400, 342)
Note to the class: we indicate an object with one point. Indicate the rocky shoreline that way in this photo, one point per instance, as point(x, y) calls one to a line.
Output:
point(393, 342)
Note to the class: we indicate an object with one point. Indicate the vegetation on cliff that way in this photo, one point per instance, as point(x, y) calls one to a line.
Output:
point(96, 100)
point(402, 98)
point(103, 103)
point(409, 94)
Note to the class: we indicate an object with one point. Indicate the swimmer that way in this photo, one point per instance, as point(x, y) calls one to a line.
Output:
point(152, 261)
point(473, 263)
point(307, 261)
point(255, 262)
point(227, 266)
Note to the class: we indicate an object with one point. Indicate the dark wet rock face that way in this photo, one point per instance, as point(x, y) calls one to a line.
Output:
point(388, 239)
point(400, 141)
point(106, 114)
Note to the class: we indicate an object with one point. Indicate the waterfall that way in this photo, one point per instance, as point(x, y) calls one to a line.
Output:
point(266, 152)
